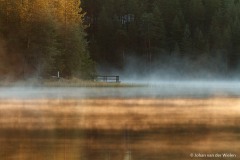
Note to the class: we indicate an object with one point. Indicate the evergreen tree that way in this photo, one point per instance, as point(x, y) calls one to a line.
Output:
point(235, 52)
point(197, 12)
point(177, 30)
point(44, 36)
point(199, 41)
point(73, 59)
point(158, 29)
point(187, 41)
point(39, 43)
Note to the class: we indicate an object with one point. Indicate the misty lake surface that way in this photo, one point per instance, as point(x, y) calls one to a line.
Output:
point(168, 120)
point(164, 89)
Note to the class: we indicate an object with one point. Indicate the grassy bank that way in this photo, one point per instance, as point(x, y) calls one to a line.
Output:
point(73, 82)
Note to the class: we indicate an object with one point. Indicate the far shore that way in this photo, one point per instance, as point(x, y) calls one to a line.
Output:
point(62, 82)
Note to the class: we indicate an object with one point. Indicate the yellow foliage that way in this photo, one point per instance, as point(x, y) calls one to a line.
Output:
point(66, 13)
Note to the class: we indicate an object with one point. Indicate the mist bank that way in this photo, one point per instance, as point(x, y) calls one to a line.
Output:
point(150, 89)
point(171, 67)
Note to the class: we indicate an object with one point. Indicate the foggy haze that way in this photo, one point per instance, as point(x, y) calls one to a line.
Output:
point(150, 89)
point(167, 77)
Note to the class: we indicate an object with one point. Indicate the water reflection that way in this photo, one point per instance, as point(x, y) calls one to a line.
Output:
point(162, 89)
point(124, 129)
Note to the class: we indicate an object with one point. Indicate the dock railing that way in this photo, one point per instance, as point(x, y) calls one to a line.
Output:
point(107, 79)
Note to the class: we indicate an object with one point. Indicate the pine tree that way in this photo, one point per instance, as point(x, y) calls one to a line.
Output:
point(235, 52)
point(39, 37)
point(44, 36)
point(177, 30)
point(200, 43)
point(158, 28)
point(187, 45)
point(196, 14)
point(74, 59)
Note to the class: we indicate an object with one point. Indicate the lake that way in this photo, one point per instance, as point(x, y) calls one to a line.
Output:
point(168, 121)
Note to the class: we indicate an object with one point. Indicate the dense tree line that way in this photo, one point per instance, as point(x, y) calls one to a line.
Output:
point(45, 36)
point(42, 37)
point(199, 31)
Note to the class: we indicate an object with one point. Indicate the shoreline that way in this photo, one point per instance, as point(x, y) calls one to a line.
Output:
point(66, 83)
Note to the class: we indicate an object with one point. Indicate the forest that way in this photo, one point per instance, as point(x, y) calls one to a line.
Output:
point(38, 38)
point(42, 37)
point(153, 35)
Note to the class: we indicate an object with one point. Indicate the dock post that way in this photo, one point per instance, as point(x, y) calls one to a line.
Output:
point(117, 79)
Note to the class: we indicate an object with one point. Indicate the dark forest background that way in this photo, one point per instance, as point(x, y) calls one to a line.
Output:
point(152, 35)
point(78, 38)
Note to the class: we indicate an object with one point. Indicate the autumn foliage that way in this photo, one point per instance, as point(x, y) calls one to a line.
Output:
point(41, 37)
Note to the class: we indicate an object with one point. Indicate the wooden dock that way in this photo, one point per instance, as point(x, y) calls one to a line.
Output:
point(107, 79)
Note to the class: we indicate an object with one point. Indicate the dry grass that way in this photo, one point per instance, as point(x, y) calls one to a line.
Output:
point(73, 82)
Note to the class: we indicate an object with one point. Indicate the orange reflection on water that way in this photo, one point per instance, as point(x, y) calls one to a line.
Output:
point(117, 114)
point(118, 128)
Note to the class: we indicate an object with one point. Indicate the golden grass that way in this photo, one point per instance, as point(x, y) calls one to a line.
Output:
point(73, 82)
point(81, 83)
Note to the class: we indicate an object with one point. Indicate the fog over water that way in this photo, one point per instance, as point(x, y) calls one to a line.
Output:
point(155, 120)
point(150, 89)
